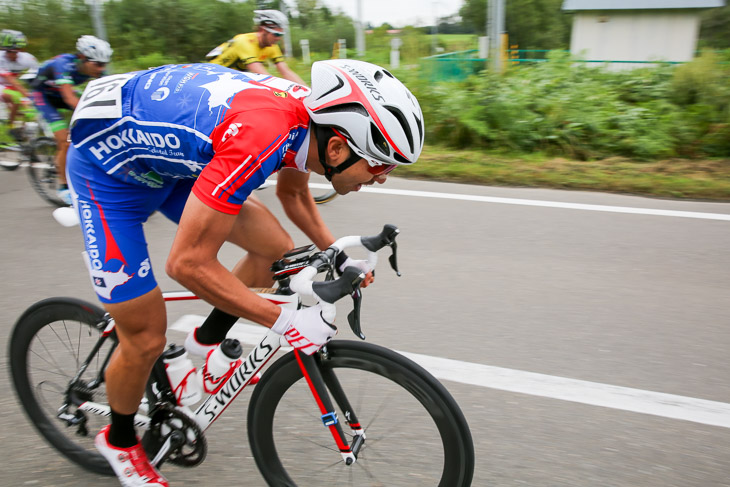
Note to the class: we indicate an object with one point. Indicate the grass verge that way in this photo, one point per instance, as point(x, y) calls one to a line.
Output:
point(707, 179)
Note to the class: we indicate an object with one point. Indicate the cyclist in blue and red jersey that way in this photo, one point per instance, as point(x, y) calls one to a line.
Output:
point(192, 142)
point(54, 95)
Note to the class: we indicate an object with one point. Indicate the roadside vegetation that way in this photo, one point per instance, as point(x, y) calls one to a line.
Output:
point(661, 131)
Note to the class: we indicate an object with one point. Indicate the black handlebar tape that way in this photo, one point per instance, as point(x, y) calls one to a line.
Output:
point(331, 291)
point(377, 242)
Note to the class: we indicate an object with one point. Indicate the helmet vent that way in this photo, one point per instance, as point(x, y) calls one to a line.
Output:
point(403, 123)
point(340, 84)
point(379, 140)
point(378, 76)
point(419, 124)
point(345, 107)
point(400, 158)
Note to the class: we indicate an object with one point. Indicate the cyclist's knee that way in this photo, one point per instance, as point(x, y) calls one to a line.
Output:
point(144, 347)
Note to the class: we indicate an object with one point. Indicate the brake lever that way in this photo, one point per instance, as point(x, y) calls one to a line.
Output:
point(354, 317)
point(393, 259)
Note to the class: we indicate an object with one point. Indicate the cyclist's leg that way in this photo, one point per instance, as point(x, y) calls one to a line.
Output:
point(59, 125)
point(11, 98)
point(111, 214)
point(61, 137)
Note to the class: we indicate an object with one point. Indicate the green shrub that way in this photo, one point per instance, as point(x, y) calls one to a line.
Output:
point(563, 108)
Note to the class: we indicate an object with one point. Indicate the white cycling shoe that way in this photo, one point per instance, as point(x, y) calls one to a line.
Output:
point(131, 465)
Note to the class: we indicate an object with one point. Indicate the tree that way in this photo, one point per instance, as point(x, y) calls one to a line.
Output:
point(531, 24)
point(715, 30)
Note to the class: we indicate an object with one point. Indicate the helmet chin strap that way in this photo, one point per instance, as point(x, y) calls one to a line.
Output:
point(324, 134)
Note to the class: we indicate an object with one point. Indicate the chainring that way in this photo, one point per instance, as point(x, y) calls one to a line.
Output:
point(190, 453)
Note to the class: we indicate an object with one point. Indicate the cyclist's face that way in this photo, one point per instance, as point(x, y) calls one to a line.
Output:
point(271, 36)
point(358, 175)
point(94, 68)
point(11, 55)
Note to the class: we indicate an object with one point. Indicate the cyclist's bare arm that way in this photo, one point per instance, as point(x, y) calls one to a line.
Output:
point(257, 67)
point(193, 262)
point(287, 73)
point(293, 191)
point(69, 95)
point(16, 85)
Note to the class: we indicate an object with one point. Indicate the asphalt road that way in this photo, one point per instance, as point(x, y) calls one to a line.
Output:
point(634, 300)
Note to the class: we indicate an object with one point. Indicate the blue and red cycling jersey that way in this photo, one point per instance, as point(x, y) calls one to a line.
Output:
point(142, 142)
point(229, 130)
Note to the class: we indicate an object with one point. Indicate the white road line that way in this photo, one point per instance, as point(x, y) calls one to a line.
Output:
point(592, 393)
point(547, 204)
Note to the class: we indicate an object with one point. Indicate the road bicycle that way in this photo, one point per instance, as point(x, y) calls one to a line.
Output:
point(32, 147)
point(353, 413)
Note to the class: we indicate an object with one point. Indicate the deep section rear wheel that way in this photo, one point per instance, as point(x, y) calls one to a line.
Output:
point(42, 170)
point(46, 349)
point(415, 432)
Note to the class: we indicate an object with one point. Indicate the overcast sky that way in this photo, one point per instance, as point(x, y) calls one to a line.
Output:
point(398, 13)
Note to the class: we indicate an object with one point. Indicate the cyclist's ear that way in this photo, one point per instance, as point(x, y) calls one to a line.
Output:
point(337, 150)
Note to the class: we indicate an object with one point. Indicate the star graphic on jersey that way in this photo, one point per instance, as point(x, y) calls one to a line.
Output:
point(183, 101)
point(224, 88)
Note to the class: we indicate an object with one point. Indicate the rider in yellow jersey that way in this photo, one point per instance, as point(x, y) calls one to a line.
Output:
point(249, 52)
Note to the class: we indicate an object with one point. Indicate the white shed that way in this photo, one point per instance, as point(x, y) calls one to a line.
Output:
point(636, 30)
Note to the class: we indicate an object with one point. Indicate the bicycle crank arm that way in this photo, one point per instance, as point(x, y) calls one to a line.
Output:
point(140, 420)
point(174, 441)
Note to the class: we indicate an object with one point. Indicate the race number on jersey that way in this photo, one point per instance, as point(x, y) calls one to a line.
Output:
point(102, 98)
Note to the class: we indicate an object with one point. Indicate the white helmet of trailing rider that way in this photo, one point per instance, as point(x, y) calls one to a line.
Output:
point(377, 115)
point(94, 49)
point(270, 18)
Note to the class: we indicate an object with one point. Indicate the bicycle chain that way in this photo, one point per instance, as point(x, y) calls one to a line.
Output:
point(192, 452)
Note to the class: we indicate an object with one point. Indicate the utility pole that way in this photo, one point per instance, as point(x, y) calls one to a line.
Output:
point(495, 29)
point(360, 31)
point(287, 32)
point(97, 20)
point(434, 29)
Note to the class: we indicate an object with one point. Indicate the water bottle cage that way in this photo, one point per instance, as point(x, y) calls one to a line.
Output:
point(180, 389)
point(220, 381)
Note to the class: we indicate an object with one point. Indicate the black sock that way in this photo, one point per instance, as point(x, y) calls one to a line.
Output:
point(121, 432)
point(215, 328)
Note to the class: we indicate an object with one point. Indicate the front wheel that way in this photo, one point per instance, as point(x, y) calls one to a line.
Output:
point(42, 170)
point(323, 196)
point(415, 433)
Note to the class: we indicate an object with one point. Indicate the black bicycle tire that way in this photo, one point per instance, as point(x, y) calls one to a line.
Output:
point(4, 149)
point(28, 325)
point(325, 198)
point(281, 375)
point(48, 194)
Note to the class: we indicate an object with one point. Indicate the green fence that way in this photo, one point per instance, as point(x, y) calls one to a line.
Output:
point(457, 65)
point(453, 66)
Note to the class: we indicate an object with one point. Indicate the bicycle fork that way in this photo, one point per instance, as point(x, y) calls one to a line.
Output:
point(320, 379)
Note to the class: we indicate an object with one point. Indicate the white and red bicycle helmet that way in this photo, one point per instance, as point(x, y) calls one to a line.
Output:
point(380, 118)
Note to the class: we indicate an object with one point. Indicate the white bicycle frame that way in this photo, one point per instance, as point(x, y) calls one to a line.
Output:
point(214, 404)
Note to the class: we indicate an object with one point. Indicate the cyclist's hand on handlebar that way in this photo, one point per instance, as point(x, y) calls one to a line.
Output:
point(304, 329)
point(363, 265)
